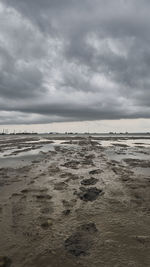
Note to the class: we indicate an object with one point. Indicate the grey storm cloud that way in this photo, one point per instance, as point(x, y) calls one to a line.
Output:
point(70, 60)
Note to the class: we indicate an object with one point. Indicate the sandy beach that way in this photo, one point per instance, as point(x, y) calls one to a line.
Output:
point(74, 201)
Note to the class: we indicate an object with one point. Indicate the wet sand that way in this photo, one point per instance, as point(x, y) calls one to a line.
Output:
point(71, 201)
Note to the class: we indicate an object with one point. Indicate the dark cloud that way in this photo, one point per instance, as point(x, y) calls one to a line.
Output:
point(71, 60)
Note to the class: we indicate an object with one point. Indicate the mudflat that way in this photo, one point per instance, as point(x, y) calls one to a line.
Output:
point(74, 201)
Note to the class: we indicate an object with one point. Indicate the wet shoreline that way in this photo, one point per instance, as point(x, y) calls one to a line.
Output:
point(76, 203)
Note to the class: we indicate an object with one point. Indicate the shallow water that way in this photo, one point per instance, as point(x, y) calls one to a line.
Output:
point(17, 162)
point(129, 154)
point(131, 143)
point(7, 159)
point(142, 171)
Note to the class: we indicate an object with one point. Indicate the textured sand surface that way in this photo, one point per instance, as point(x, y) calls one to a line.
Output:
point(79, 204)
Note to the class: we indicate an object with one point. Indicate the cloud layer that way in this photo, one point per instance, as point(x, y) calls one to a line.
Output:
point(70, 60)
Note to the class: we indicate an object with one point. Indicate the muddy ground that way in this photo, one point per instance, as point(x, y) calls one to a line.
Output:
point(76, 205)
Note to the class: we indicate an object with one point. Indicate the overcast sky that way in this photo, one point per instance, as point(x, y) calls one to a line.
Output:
point(70, 61)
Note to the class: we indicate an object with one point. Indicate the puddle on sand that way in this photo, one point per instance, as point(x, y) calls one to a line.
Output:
point(37, 141)
point(18, 162)
point(142, 171)
point(120, 155)
point(31, 151)
point(20, 159)
point(128, 142)
point(24, 158)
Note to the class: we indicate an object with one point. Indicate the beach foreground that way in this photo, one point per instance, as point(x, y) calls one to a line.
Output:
point(74, 201)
